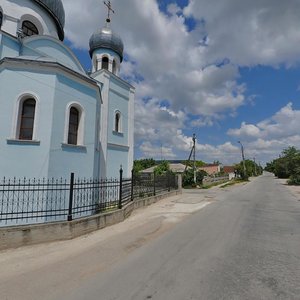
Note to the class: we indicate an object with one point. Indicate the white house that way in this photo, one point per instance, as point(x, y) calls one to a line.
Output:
point(55, 118)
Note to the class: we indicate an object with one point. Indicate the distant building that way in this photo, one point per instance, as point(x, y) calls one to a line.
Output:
point(230, 170)
point(177, 168)
point(211, 169)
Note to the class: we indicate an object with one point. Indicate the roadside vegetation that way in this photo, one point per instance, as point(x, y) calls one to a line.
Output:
point(188, 178)
point(286, 166)
point(142, 164)
point(232, 182)
point(252, 169)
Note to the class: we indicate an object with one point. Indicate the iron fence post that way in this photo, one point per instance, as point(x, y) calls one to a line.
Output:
point(154, 188)
point(132, 175)
point(121, 184)
point(169, 182)
point(71, 197)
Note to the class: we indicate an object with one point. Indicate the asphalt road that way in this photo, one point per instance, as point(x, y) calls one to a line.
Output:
point(244, 245)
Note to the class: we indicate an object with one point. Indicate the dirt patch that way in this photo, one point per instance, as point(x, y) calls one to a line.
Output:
point(294, 189)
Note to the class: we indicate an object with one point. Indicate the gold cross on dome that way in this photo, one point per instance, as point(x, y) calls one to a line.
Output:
point(109, 8)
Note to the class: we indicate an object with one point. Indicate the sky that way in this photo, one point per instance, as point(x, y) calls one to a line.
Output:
point(227, 71)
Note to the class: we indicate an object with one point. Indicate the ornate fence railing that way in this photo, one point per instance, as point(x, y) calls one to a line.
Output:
point(30, 201)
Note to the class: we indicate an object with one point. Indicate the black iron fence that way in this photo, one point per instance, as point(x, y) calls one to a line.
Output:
point(26, 201)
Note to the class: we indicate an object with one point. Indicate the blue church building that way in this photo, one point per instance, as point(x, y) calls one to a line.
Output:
point(56, 118)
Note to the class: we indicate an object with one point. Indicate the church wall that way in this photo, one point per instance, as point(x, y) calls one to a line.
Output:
point(21, 158)
point(116, 157)
point(18, 10)
point(118, 149)
point(52, 48)
point(131, 129)
point(117, 103)
point(64, 159)
point(9, 46)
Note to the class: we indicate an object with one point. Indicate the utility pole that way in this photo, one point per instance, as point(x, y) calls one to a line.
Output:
point(194, 163)
point(255, 172)
point(243, 157)
point(193, 151)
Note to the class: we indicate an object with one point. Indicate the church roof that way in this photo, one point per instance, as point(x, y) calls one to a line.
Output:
point(56, 9)
point(106, 38)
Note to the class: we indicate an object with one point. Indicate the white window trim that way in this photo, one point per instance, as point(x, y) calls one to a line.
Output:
point(114, 66)
point(80, 135)
point(17, 115)
point(33, 20)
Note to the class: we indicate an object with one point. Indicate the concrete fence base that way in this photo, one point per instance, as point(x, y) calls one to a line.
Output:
point(17, 236)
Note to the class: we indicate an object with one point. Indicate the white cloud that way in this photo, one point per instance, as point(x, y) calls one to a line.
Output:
point(285, 123)
point(166, 55)
point(250, 32)
point(157, 152)
point(246, 130)
point(180, 71)
point(269, 137)
point(174, 9)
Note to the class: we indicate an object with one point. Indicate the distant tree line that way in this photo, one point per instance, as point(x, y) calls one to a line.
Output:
point(252, 169)
point(287, 165)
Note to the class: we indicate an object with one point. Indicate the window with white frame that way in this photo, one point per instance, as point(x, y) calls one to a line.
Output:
point(74, 125)
point(117, 125)
point(29, 29)
point(26, 119)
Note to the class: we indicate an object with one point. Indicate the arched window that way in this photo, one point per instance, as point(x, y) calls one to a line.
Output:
point(118, 121)
point(29, 29)
point(1, 18)
point(73, 126)
point(27, 119)
point(105, 63)
point(114, 67)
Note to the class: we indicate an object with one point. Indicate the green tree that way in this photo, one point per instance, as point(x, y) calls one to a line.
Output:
point(142, 164)
point(188, 177)
point(252, 169)
point(162, 168)
point(287, 165)
point(198, 163)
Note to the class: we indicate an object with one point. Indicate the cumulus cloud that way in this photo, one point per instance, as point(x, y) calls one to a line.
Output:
point(190, 77)
point(158, 152)
point(246, 130)
point(163, 52)
point(269, 137)
point(285, 123)
point(256, 31)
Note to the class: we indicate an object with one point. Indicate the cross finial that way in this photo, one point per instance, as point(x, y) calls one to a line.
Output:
point(109, 8)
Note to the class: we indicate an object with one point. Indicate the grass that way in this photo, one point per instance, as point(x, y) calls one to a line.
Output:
point(232, 182)
point(208, 186)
